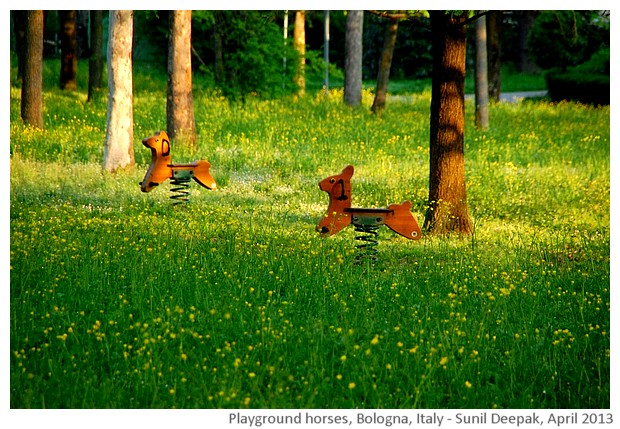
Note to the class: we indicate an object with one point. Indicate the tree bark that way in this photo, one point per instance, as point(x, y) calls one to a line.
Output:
point(95, 62)
point(299, 42)
point(383, 76)
point(179, 101)
point(118, 150)
point(494, 51)
point(481, 77)
point(32, 79)
point(447, 210)
point(353, 58)
point(68, 50)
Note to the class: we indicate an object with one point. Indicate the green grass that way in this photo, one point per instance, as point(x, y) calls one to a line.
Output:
point(511, 81)
point(120, 300)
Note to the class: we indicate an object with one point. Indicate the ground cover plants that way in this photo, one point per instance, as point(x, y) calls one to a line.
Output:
point(120, 300)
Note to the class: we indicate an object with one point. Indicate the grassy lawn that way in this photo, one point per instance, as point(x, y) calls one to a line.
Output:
point(118, 299)
point(511, 82)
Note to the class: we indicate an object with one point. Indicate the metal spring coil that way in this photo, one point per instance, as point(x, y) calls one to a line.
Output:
point(367, 248)
point(180, 190)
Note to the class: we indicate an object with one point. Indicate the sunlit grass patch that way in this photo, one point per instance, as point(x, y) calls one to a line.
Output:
point(120, 300)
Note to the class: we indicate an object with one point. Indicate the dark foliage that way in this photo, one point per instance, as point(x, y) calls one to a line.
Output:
point(566, 38)
point(412, 53)
point(587, 83)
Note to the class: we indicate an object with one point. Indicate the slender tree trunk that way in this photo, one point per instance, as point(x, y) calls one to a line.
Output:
point(218, 47)
point(118, 151)
point(326, 51)
point(95, 62)
point(383, 77)
point(481, 78)
point(20, 19)
point(68, 50)
point(299, 42)
point(494, 51)
point(32, 79)
point(180, 101)
point(526, 20)
point(353, 58)
point(285, 37)
point(447, 210)
point(82, 39)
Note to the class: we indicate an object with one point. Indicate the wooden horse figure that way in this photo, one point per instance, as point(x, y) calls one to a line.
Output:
point(340, 214)
point(162, 168)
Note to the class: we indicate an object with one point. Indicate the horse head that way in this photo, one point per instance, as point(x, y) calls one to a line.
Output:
point(338, 187)
point(160, 169)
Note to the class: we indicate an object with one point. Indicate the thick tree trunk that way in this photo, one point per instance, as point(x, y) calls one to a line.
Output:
point(481, 79)
point(118, 151)
point(32, 79)
point(299, 42)
point(180, 102)
point(383, 76)
point(353, 58)
point(95, 62)
point(447, 197)
point(494, 51)
point(68, 50)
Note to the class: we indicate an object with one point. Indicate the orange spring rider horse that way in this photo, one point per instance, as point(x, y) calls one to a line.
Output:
point(340, 214)
point(162, 168)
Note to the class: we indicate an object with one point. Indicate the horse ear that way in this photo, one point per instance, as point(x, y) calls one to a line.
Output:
point(348, 171)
